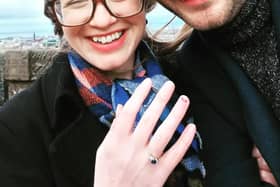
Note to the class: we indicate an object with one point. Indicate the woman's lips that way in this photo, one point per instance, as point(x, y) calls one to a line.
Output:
point(109, 42)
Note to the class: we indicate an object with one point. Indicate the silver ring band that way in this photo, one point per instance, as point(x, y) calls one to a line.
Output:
point(153, 159)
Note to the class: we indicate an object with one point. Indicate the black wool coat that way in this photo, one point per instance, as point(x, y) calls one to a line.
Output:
point(48, 137)
point(230, 117)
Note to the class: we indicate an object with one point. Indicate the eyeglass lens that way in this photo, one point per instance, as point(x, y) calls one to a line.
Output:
point(77, 12)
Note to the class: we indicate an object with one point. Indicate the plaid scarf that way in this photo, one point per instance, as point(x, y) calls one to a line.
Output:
point(102, 95)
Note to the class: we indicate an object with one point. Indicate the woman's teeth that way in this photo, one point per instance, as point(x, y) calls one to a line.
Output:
point(107, 39)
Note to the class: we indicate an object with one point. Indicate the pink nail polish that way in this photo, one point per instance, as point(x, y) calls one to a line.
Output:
point(184, 98)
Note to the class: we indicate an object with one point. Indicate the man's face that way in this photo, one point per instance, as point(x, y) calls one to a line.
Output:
point(204, 14)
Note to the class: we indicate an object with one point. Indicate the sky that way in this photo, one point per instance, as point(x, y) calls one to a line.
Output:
point(21, 8)
point(34, 8)
point(20, 13)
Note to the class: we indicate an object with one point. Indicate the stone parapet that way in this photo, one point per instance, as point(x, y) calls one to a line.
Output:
point(2, 87)
point(19, 68)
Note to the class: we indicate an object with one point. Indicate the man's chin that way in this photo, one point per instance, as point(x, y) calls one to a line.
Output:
point(203, 24)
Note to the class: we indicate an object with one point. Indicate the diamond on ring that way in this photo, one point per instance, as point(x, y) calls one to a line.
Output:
point(153, 159)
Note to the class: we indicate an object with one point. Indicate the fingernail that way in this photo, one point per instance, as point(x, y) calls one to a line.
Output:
point(147, 80)
point(192, 124)
point(169, 82)
point(184, 98)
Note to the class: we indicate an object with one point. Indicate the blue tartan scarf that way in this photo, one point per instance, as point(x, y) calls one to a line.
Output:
point(102, 95)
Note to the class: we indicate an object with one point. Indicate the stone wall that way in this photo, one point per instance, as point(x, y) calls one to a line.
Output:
point(2, 92)
point(19, 68)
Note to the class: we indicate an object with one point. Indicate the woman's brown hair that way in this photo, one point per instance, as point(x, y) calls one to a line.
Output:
point(163, 48)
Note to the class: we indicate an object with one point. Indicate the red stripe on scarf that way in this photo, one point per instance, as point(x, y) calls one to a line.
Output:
point(94, 77)
point(91, 99)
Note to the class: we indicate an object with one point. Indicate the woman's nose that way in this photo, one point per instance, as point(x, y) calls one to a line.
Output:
point(102, 17)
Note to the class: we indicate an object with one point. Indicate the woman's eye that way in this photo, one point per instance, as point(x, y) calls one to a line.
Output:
point(75, 3)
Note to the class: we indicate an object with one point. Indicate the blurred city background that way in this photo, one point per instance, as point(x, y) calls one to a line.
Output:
point(23, 24)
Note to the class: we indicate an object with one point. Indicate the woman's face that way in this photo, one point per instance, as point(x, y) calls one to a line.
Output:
point(107, 42)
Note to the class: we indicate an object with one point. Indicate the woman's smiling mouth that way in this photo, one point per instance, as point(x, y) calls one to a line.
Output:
point(107, 39)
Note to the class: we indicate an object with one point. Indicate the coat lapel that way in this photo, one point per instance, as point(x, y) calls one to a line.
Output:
point(73, 150)
point(77, 133)
point(262, 125)
point(209, 79)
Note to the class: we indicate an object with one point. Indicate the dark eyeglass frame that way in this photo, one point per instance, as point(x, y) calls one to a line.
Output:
point(52, 5)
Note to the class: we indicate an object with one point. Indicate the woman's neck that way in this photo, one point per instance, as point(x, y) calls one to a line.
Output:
point(128, 74)
point(126, 71)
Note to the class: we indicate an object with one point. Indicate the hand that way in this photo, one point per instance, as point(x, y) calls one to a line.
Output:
point(265, 172)
point(123, 157)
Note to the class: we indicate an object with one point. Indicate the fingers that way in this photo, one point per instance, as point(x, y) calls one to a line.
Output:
point(268, 177)
point(166, 130)
point(123, 124)
point(148, 121)
point(175, 154)
point(119, 155)
point(262, 164)
point(260, 160)
point(264, 170)
point(255, 152)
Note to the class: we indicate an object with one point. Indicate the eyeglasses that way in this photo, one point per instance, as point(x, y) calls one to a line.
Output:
point(72, 13)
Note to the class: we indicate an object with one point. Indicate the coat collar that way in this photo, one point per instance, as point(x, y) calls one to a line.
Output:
point(60, 89)
point(275, 5)
point(263, 127)
point(210, 79)
point(77, 133)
